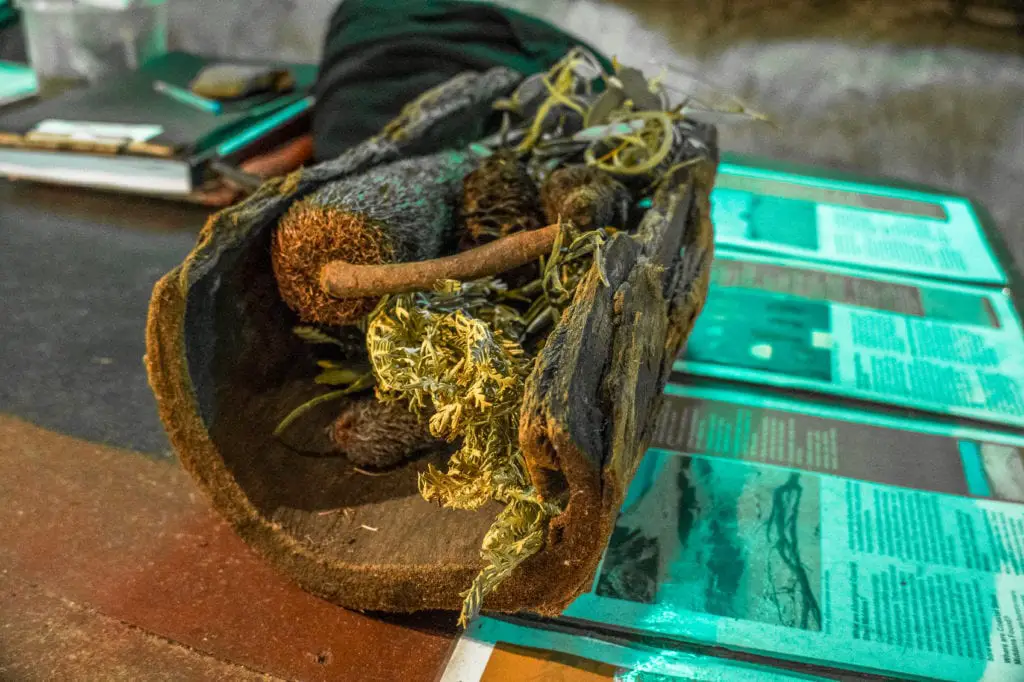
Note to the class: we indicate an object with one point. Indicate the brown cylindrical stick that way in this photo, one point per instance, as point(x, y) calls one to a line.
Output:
point(345, 280)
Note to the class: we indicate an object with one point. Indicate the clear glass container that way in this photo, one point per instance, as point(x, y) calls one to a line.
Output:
point(85, 40)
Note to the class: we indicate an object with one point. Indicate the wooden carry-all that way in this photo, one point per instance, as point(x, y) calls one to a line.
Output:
point(226, 368)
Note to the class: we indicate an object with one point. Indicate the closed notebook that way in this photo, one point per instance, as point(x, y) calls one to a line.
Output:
point(126, 134)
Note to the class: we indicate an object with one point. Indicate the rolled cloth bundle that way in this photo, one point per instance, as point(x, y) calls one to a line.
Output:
point(397, 213)
point(366, 74)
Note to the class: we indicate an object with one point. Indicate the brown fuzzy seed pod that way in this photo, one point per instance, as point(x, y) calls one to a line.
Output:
point(308, 237)
point(378, 435)
point(498, 198)
point(396, 213)
point(587, 197)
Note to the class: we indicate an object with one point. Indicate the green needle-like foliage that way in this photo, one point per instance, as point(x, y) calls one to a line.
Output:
point(467, 378)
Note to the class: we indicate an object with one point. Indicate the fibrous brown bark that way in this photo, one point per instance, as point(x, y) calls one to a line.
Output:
point(226, 368)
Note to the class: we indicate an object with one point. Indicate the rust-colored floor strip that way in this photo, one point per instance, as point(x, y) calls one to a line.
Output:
point(45, 637)
point(133, 540)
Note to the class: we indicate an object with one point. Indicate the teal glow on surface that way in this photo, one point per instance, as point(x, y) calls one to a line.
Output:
point(974, 469)
point(855, 224)
point(268, 124)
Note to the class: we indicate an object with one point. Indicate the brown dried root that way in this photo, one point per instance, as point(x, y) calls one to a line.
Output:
point(347, 281)
point(378, 435)
point(308, 237)
point(585, 196)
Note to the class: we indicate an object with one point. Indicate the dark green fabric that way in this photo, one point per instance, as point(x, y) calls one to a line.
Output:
point(8, 15)
point(379, 54)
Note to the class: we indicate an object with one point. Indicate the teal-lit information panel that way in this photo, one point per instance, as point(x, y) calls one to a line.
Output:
point(852, 224)
point(742, 424)
point(499, 651)
point(939, 347)
point(816, 568)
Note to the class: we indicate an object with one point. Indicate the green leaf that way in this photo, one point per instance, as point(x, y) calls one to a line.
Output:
point(364, 381)
point(599, 264)
point(314, 335)
point(338, 376)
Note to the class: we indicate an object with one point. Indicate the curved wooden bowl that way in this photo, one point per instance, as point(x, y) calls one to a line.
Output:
point(225, 368)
